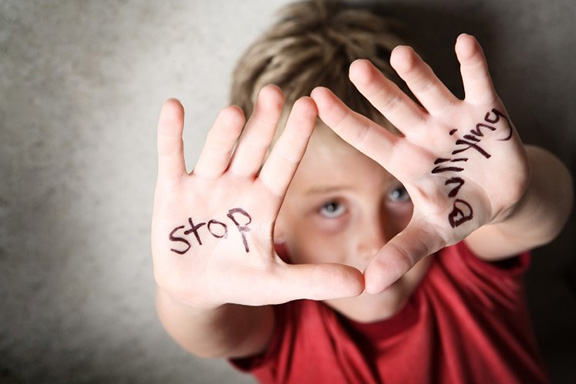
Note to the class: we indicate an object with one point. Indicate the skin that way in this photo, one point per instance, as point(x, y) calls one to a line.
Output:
point(343, 207)
point(355, 241)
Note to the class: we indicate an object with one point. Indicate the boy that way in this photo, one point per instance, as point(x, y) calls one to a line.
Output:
point(365, 255)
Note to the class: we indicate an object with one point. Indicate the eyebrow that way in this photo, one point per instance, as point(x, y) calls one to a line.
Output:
point(327, 189)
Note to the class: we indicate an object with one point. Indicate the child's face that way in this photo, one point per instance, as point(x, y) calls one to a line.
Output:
point(341, 207)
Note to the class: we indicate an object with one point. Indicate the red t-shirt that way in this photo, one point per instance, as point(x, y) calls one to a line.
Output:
point(466, 322)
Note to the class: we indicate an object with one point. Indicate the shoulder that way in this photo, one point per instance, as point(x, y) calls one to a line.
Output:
point(458, 268)
point(461, 256)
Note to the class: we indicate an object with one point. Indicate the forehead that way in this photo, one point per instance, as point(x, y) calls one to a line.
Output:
point(330, 161)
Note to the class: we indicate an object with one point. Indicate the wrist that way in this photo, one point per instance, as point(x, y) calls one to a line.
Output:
point(165, 298)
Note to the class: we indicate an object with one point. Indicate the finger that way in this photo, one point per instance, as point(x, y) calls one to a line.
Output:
point(222, 137)
point(422, 81)
point(359, 131)
point(171, 165)
point(258, 133)
point(399, 255)
point(319, 282)
point(292, 282)
point(386, 96)
point(478, 85)
point(281, 165)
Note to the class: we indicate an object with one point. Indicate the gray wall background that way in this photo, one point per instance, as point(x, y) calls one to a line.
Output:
point(81, 83)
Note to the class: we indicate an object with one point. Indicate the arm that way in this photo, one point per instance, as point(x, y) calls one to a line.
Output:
point(212, 247)
point(229, 330)
point(537, 218)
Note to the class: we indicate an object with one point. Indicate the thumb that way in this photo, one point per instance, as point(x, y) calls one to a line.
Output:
point(400, 254)
point(286, 282)
point(303, 281)
point(321, 281)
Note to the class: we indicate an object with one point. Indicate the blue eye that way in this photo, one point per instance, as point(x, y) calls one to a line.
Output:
point(399, 194)
point(332, 209)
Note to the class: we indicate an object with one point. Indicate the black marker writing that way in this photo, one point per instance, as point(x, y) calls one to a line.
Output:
point(224, 234)
point(218, 229)
point(194, 229)
point(470, 144)
point(478, 130)
point(241, 228)
point(179, 239)
point(454, 180)
point(462, 210)
point(496, 119)
point(449, 168)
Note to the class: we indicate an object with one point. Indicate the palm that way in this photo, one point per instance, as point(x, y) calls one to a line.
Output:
point(462, 162)
point(212, 229)
point(460, 168)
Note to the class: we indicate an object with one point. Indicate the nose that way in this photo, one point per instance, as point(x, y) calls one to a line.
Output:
point(373, 234)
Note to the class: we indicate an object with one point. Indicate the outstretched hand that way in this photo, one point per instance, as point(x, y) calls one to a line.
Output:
point(212, 229)
point(461, 161)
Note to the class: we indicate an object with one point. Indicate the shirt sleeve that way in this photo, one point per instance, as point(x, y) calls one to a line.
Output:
point(512, 267)
point(251, 364)
point(492, 286)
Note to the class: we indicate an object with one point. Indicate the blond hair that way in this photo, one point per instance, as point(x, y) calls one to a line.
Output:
point(313, 44)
